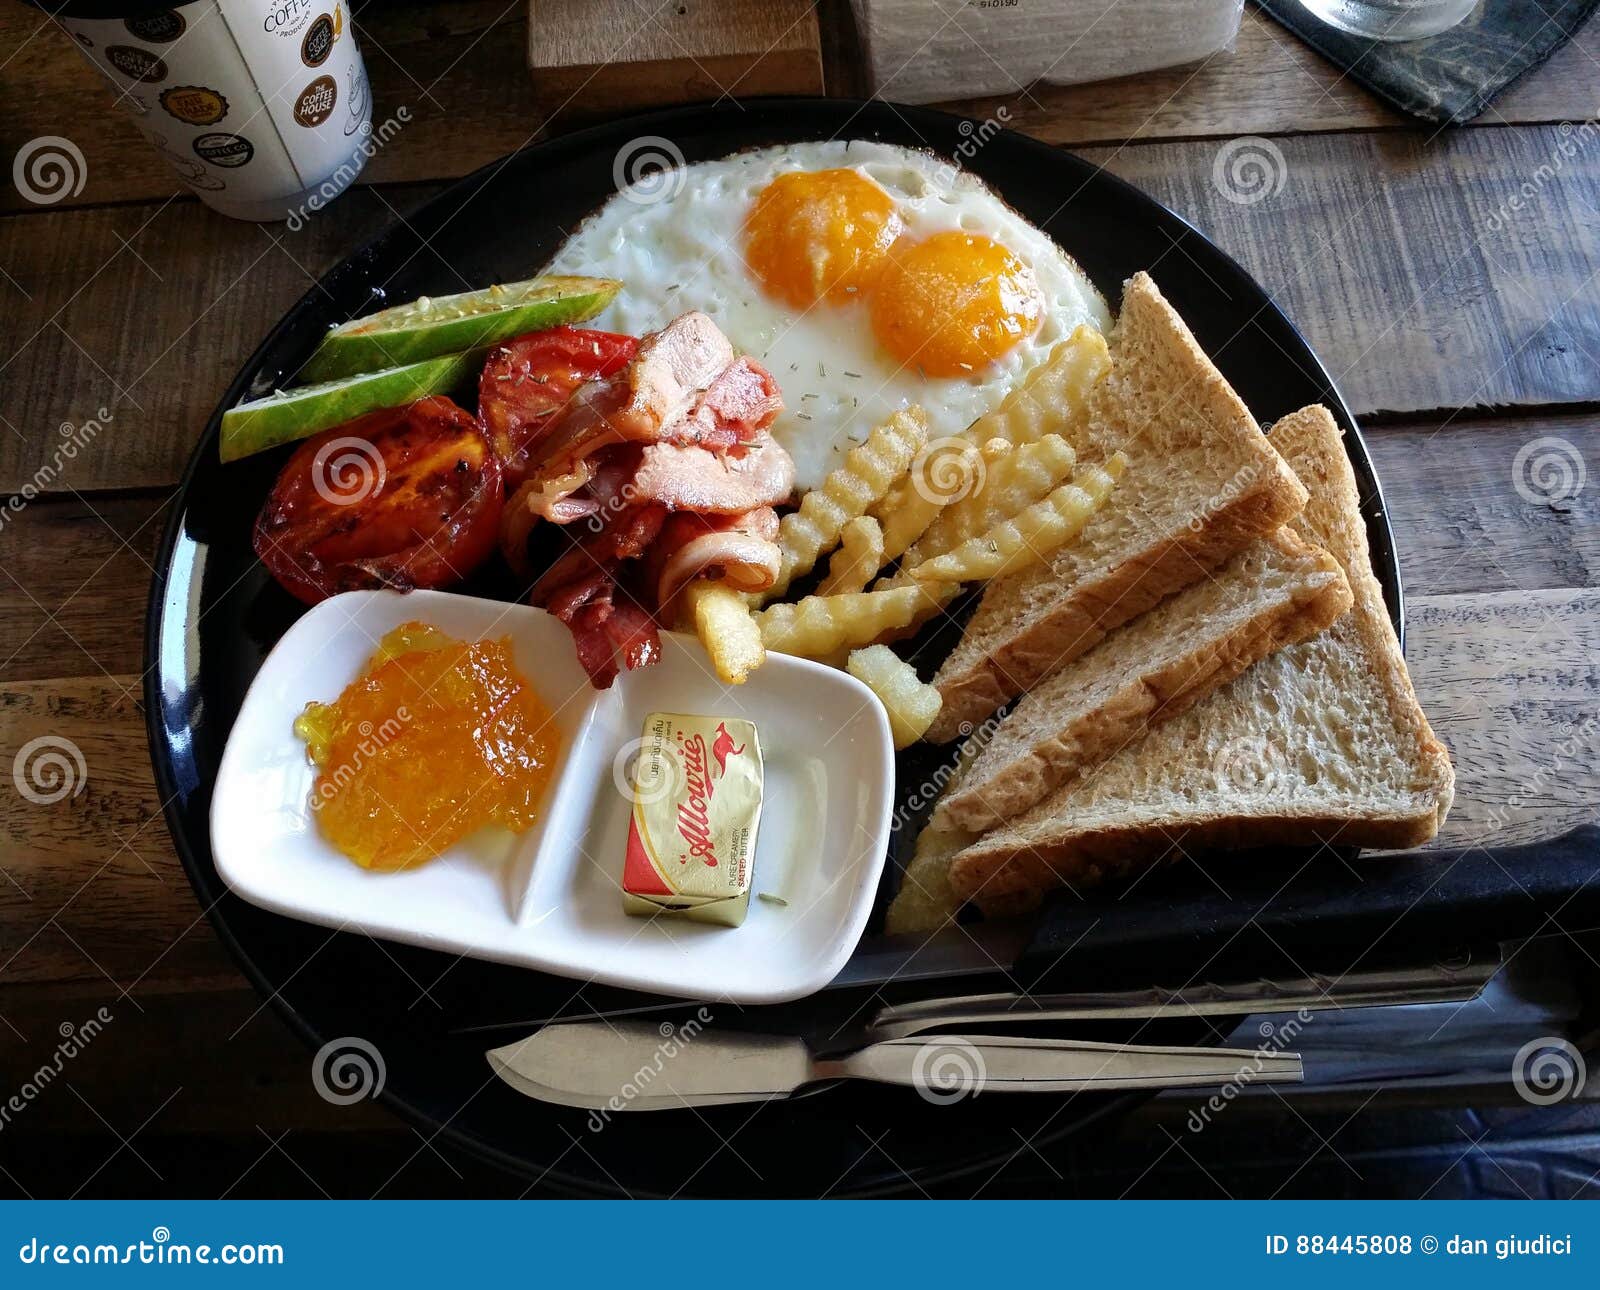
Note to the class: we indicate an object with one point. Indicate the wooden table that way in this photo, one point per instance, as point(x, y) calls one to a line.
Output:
point(1448, 279)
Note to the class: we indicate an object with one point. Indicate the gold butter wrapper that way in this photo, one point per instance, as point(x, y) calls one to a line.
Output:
point(696, 807)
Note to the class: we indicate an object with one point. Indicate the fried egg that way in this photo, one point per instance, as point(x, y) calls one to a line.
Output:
point(864, 276)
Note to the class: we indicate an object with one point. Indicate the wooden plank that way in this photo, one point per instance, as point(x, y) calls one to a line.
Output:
point(1365, 248)
point(459, 70)
point(90, 889)
point(92, 894)
point(74, 574)
point(1511, 682)
point(146, 313)
point(1456, 273)
point(254, 1071)
point(1461, 524)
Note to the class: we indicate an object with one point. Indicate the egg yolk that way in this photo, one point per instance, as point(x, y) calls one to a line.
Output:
point(819, 235)
point(953, 303)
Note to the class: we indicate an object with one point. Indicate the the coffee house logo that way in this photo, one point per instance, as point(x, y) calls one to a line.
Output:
point(318, 44)
point(194, 104)
point(222, 149)
point(315, 103)
point(135, 63)
point(157, 28)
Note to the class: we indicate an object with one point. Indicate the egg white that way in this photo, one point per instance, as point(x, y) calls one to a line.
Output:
point(676, 243)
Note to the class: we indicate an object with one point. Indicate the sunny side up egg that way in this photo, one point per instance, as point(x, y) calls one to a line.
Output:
point(866, 277)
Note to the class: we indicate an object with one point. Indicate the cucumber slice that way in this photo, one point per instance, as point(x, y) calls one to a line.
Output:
point(437, 325)
point(299, 413)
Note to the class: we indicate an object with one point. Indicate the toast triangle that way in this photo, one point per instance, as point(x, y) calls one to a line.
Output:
point(1278, 591)
point(1202, 481)
point(1323, 741)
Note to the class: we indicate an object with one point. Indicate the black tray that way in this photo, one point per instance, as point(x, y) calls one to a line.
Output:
point(214, 614)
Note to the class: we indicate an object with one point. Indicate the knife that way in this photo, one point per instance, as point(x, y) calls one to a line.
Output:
point(634, 1066)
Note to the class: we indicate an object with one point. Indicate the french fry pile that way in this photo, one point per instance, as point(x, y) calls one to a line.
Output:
point(1004, 494)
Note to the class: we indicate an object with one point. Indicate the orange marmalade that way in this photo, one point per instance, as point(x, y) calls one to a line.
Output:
point(434, 740)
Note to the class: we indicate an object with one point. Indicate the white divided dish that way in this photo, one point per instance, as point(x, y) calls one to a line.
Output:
point(550, 898)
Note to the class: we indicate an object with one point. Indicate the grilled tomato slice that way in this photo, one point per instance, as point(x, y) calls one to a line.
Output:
point(528, 380)
point(403, 497)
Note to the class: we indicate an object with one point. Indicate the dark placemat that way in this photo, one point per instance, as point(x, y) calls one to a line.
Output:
point(1452, 77)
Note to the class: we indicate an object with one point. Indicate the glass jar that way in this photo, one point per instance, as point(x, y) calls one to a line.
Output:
point(1391, 19)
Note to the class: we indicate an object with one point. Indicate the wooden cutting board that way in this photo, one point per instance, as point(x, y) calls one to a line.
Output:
point(609, 56)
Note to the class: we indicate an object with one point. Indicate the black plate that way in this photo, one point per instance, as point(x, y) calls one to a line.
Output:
point(214, 615)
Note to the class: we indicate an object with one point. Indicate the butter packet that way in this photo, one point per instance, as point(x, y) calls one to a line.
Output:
point(697, 786)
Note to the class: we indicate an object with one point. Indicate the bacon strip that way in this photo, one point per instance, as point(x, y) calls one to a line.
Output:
point(741, 550)
point(726, 483)
point(609, 635)
point(670, 467)
point(677, 477)
point(597, 652)
point(626, 536)
point(737, 405)
point(584, 589)
point(659, 388)
point(606, 491)
point(632, 630)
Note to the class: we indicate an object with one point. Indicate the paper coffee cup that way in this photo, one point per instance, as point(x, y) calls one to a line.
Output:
point(261, 107)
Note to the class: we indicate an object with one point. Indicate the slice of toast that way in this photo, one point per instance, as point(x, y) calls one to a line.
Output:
point(1277, 591)
point(1320, 742)
point(1202, 482)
